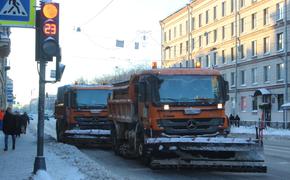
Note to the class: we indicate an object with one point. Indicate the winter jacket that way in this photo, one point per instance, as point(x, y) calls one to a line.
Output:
point(9, 124)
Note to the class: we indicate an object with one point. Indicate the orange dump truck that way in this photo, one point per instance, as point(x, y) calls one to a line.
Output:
point(81, 114)
point(176, 118)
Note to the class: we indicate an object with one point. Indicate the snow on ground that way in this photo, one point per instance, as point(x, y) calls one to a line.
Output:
point(68, 162)
point(268, 131)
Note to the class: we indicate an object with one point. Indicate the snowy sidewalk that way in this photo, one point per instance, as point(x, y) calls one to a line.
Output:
point(63, 162)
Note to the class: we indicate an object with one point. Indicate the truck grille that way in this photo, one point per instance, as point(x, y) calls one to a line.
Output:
point(190, 126)
point(93, 122)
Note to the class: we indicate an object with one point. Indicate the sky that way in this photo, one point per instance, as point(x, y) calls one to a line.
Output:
point(92, 53)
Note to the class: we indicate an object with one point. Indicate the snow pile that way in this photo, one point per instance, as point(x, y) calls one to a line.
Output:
point(268, 131)
point(76, 158)
point(42, 175)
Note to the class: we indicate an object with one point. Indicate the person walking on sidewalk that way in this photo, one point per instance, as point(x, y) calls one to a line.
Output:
point(237, 121)
point(9, 128)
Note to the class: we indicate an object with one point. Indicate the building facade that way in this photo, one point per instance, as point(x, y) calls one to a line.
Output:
point(247, 41)
point(4, 52)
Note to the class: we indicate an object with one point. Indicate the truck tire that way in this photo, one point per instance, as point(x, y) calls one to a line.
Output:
point(141, 150)
point(115, 142)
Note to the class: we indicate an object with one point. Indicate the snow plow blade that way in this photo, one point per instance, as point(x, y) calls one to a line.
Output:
point(208, 153)
point(89, 136)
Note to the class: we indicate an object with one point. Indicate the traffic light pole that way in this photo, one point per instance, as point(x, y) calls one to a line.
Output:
point(39, 163)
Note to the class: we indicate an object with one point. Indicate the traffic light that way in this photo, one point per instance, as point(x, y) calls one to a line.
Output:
point(47, 32)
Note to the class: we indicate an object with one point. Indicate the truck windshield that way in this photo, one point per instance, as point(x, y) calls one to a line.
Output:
point(199, 89)
point(92, 98)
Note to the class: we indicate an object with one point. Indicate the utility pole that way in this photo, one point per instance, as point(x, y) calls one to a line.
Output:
point(47, 47)
point(39, 162)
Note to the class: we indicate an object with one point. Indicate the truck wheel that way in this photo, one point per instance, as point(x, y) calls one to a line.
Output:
point(115, 143)
point(141, 151)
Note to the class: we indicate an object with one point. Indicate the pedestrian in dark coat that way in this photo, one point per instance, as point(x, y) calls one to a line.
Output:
point(24, 121)
point(9, 128)
point(18, 120)
point(232, 118)
point(237, 120)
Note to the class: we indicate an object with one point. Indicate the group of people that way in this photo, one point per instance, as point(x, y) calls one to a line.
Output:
point(14, 124)
point(235, 120)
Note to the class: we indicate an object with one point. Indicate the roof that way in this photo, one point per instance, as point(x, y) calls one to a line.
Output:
point(181, 71)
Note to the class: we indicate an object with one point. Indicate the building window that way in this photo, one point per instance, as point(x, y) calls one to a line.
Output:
point(169, 35)
point(180, 49)
point(255, 103)
point(206, 38)
point(169, 51)
point(254, 75)
point(214, 58)
point(180, 29)
point(199, 20)
point(232, 79)
point(280, 42)
point(214, 35)
point(254, 48)
point(280, 99)
point(266, 17)
point(192, 44)
point(279, 11)
point(206, 16)
point(164, 37)
point(232, 28)
point(279, 70)
point(242, 51)
point(200, 41)
point(174, 32)
point(243, 78)
point(254, 20)
point(187, 46)
point(207, 60)
point(233, 54)
point(266, 45)
point(223, 57)
point(192, 23)
point(187, 64)
point(266, 73)
point(242, 3)
point(223, 9)
point(232, 6)
point(214, 13)
point(186, 26)
point(243, 103)
point(242, 25)
point(223, 32)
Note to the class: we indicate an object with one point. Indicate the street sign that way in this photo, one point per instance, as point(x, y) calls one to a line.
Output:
point(17, 13)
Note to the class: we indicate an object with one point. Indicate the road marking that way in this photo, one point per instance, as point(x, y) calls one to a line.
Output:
point(13, 8)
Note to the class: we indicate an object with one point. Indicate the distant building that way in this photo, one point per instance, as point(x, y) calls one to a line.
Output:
point(245, 41)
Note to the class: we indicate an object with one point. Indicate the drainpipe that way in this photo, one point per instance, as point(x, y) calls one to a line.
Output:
point(236, 63)
point(286, 61)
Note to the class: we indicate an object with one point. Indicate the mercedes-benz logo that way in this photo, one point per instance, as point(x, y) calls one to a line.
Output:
point(191, 124)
